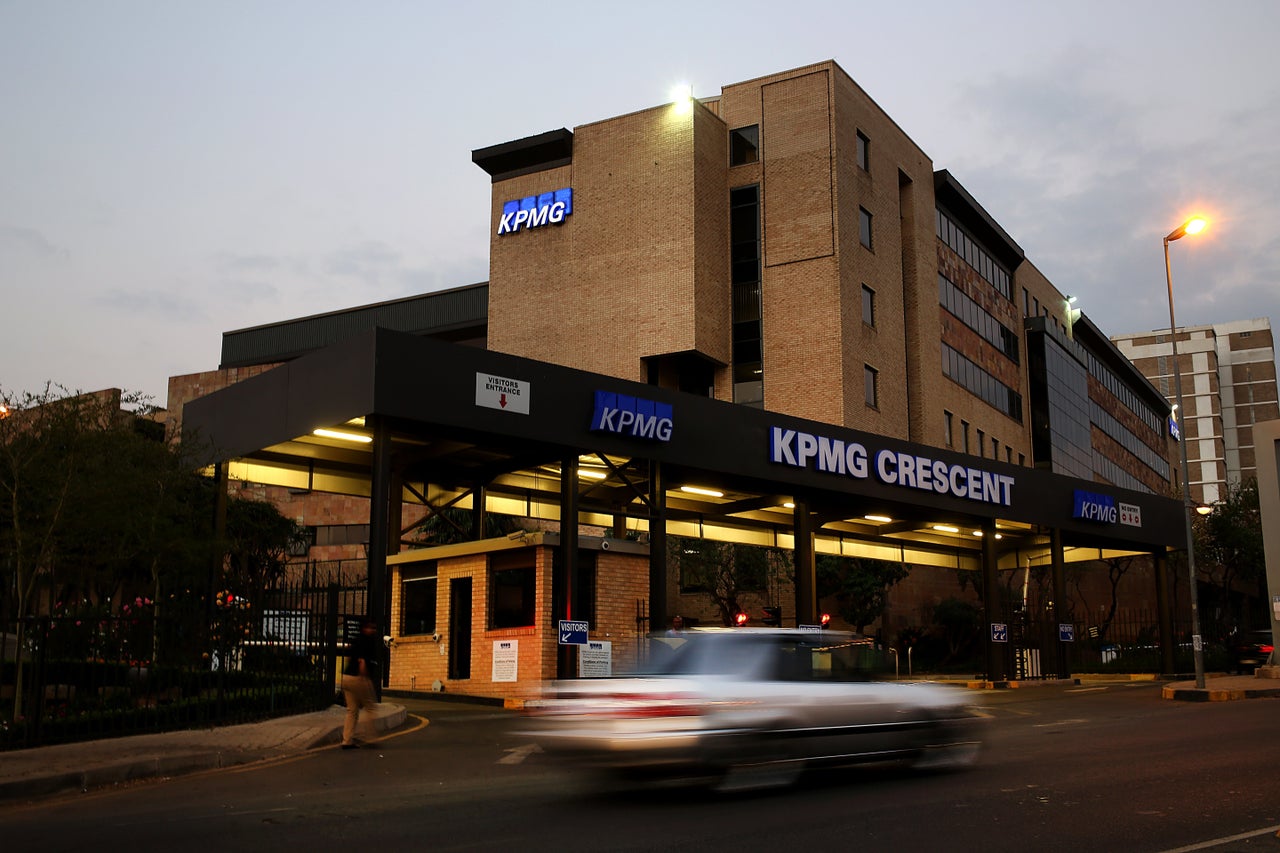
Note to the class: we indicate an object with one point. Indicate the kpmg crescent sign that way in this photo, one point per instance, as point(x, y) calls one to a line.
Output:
point(891, 467)
point(632, 416)
point(535, 211)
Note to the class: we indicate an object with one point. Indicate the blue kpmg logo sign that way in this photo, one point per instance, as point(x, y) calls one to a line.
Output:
point(1092, 506)
point(535, 211)
point(1174, 429)
point(632, 416)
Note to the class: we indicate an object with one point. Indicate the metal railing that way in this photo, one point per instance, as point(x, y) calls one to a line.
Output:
point(88, 670)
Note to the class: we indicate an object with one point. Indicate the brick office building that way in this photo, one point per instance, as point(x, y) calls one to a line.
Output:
point(1228, 385)
point(784, 247)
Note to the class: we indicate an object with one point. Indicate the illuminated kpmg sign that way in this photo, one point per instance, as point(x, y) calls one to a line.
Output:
point(632, 416)
point(1095, 507)
point(1174, 430)
point(535, 211)
point(1105, 509)
point(891, 467)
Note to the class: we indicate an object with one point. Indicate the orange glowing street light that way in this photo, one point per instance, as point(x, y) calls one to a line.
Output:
point(1194, 225)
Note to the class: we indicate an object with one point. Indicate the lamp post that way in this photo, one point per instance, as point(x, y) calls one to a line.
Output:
point(1194, 225)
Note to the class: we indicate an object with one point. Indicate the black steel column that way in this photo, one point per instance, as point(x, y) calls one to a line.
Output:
point(479, 495)
point(379, 519)
point(1059, 573)
point(658, 618)
point(996, 651)
point(806, 580)
point(568, 558)
point(1164, 611)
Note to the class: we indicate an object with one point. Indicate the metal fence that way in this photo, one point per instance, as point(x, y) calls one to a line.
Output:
point(85, 671)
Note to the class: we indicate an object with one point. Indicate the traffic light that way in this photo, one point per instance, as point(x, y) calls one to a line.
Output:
point(740, 619)
point(773, 616)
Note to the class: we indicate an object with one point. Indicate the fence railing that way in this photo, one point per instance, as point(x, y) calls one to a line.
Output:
point(86, 671)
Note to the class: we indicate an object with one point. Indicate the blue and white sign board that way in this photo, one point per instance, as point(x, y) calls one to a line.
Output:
point(595, 659)
point(1092, 506)
point(573, 633)
point(1174, 430)
point(999, 632)
point(499, 392)
point(1066, 632)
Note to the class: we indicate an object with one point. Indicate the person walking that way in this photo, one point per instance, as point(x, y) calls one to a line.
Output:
point(357, 680)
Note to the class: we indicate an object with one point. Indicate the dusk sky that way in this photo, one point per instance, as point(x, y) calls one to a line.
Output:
point(170, 171)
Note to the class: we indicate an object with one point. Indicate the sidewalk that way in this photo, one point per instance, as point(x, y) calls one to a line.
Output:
point(1225, 688)
point(47, 770)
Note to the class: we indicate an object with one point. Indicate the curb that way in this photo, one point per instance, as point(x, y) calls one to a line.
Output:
point(1192, 694)
point(195, 758)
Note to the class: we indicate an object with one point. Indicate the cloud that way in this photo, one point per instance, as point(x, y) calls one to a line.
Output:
point(30, 244)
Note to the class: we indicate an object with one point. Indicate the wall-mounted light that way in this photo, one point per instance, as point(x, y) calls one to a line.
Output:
point(883, 519)
point(946, 528)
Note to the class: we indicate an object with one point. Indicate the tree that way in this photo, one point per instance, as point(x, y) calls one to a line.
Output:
point(724, 571)
point(258, 543)
point(860, 586)
point(960, 623)
point(86, 501)
point(1228, 543)
point(452, 524)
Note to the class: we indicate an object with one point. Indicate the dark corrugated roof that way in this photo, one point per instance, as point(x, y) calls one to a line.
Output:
point(457, 314)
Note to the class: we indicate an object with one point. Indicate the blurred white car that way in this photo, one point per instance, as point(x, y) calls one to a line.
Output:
point(746, 707)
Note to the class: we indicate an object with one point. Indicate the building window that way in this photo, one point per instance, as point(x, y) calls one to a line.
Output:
point(948, 426)
point(1008, 454)
point(512, 590)
point(744, 237)
point(868, 306)
point(744, 145)
point(864, 152)
point(864, 226)
point(869, 375)
point(418, 604)
point(982, 442)
point(964, 435)
point(1026, 303)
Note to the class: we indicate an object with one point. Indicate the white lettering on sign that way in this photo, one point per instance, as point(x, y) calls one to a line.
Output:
point(499, 392)
point(893, 468)
point(1131, 514)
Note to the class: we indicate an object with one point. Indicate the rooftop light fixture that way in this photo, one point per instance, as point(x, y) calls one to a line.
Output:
point(946, 528)
point(884, 519)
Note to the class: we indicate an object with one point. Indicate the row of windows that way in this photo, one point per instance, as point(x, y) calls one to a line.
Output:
point(948, 426)
point(512, 597)
point(1130, 442)
point(974, 255)
point(1124, 394)
point(975, 317)
point(1117, 476)
point(991, 390)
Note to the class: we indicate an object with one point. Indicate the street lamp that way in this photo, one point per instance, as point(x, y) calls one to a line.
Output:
point(1194, 225)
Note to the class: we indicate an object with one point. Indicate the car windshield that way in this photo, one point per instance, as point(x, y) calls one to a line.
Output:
point(820, 657)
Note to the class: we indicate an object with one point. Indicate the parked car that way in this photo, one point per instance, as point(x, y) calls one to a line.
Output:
point(750, 707)
point(1252, 649)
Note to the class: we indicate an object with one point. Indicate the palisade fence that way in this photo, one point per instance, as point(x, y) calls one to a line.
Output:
point(1128, 642)
point(86, 671)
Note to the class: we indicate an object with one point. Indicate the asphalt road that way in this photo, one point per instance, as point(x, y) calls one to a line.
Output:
point(1099, 767)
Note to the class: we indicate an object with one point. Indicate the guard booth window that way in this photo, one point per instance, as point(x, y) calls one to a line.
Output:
point(418, 603)
point(512, 587)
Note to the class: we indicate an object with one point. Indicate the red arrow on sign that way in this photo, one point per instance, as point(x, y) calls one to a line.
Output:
point(502, 401)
